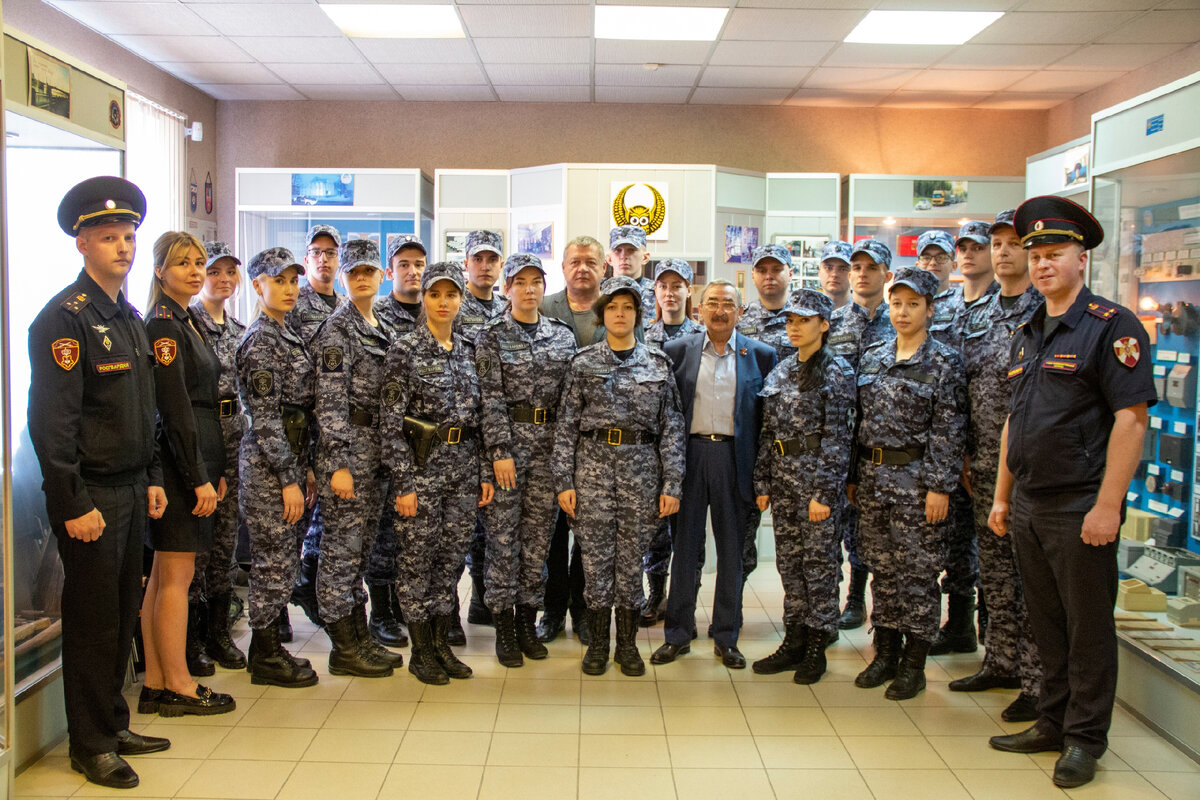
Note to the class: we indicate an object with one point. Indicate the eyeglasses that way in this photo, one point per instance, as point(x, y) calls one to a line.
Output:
point(713, 305)
point(941, 260)
point(315, 252)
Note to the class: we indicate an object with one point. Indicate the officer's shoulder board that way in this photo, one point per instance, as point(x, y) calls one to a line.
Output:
point(162, 311)
point(1102, 309)
point(76, 302)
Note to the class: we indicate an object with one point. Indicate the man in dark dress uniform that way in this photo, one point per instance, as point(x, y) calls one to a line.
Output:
point(91, 419)
point(1081, 378)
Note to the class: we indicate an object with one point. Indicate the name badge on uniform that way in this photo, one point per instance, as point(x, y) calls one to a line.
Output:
point(514, 346)
point(110, 367)
point(433, 369)
point(472, 320)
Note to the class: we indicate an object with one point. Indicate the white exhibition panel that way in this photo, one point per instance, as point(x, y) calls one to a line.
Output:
point(741, 191)
point(803, 194)
point(1154, 125)
point(1048, 172)
point(888, 195)
point(395, 191)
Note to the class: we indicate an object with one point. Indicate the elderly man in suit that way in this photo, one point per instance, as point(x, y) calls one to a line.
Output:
point(719, 374)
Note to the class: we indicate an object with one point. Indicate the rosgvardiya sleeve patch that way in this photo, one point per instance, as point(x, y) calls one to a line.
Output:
point(331, 359)
point(262, 381)
point(66, 353)
point(165, 350)
point(1127, 351)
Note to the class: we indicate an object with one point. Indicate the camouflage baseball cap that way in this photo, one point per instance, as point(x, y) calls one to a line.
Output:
point(920, 281)
point(775, 251)
point(398, 243)
point(478, 241)
point(323, 230)
point(216, 251)
point(1005, 217)
point(519, 261)
point(627, 234)
point(836, 249)
point(357, 252)
point(273, 261)
point(937, 238)
point(809, 303)
point(443, 271)
point(677, 265)
point(877, 250)
point(976, 230)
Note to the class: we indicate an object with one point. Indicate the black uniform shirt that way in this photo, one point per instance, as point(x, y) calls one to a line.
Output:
point(1066, 389)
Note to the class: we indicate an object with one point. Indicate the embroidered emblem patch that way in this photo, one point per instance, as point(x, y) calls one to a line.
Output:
point(262, 381)
point(390, 394)
point(1127, 351)
point(331, 359)
point(165, 351)
point(66, 353)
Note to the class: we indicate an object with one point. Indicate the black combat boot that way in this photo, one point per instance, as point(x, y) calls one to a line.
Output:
point(812, 665)
point(442, 652)
point(384, 626)
point(347, 657)
point(958, 634)
point(477, 612)
point(527, 636)
point(304, 593)
point(198, 662)
point(579, 624)
point(855, 612)
point(789, 653)
point(455, 635)
point(887, 657)
point(508, 652)
point(283, 623)
point(654, 611)
point(270, 664)
point(366, 642)
point(219, 644)
point(626, 654)
point(595, 659)
point(910, 675)
point(421, 661)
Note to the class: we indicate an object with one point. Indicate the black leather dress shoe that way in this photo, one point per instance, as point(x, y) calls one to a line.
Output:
point(1023, 709)
point(1030, 740)
point(730, 656)
point(134, 744)
point(106, 769)
point(1074, 767)
point(983, 680)
point(206, 702)
point(669, 652)
point(148, 700)
point(551, 627)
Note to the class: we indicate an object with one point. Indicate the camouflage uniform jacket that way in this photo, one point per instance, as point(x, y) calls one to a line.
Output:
point(474, 315)
point(949, 312)
point(768, 327)
point(851, 332)
point(224, 340)
point(649, 301)
point(309, 312)
point(657, 336)
point(388, 309)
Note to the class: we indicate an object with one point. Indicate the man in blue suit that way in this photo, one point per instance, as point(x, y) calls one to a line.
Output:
point(719, 374)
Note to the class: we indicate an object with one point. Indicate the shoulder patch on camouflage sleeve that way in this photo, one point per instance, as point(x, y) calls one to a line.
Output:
point(331, 359)
point(389, 395)
point(262, 382)
point(483, 365)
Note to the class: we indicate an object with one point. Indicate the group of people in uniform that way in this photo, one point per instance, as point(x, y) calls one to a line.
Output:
point(390, 441)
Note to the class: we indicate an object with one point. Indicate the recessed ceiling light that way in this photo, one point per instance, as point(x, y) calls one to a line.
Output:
point(379, 21)
point(921, 27)
point(660, 23)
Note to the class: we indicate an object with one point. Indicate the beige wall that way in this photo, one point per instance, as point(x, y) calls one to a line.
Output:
point(56, 29)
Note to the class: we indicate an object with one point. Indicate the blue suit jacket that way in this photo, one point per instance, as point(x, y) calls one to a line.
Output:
point(755, 361)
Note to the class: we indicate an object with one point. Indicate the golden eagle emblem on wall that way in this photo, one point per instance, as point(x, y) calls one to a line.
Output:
point(649, 219)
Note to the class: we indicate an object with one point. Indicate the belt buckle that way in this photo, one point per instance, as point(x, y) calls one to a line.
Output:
point(610, 436)
point(453, 435)
point(226, 408)
point(877, 456)
point(539, 416)
point(779, 447)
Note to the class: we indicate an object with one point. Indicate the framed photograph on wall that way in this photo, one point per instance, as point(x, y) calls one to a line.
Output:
point(49, 84)
point(806, 257)
point(740, 241)
point(454, 243)
point(536, 238)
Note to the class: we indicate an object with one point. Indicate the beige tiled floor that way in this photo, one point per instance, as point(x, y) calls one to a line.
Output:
point(688, 730)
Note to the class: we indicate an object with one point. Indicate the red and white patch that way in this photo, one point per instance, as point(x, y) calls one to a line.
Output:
point(165, 350)
point(1127, 350)
point(66, 353)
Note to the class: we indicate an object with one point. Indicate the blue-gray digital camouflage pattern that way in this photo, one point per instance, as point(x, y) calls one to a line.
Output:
point(215, 251)
point(480, 241)
point(323, 230)
point(851, 331)
point(768, 327)
point(936, 238)
point(1005, 217)
point(273, 261)
point(920, 281)
point(775, 251)
point(976, 230)
point(519, 261)
point(809, 303)
point(657, 334)
point(879, 252)
point(310, 311)
point(399, 242)
point(394, 315)
point(836, 249)
point(677, 265)
point(627, 234)
point(358, 251)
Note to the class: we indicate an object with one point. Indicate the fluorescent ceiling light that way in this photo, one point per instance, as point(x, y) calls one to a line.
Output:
point(379, 21)
point(921, 27)
point(660, 23)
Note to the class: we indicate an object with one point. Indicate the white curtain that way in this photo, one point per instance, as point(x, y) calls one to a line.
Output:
point(155, 161)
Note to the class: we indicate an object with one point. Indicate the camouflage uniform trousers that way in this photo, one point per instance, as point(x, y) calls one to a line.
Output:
point(962, 553)
point(806, 555)
point(214, 568)
point(906, 554)
point(274, 545)
point(519, 525)
point(433, 543)
point(848, 533)
point(381, 564)
point(1010, 648)
point(616, 514)
point(350, 527)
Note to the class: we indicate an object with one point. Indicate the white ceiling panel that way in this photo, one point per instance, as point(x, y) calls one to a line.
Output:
point(323, 49)
point(776, 54)
point(703, 3)
point(960, 80)
point(948, 5)
point(1087, 5)
point(495, 21)
point(814, 4)
point(1064, 81)
point(905, 56)
point(1051, 28)
point(263, 2)
point(933, 99)
point(316, 73)
point(222, 72)
point(540, 74)
point(162, 19)
point(1158, 27)
point(347, 92)
point(258, 19)
point(184, 49)
point(1116, 56)
point(540, 50)
point(449, 74)
point(834, 99)
point(711, 95)
point(1024, 100)
point(799, 25)
point(1010, 56)
point(1177, 4)
point(460, 94)
point(247, 91)
point(642, 94)
point(545, 94)
point(505, 2)
point(858, 80)
point(415, 51)
point(620, 51)
point(754, 77)
point(634, 75)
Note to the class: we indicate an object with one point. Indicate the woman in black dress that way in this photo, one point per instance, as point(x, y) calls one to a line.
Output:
point(192, 450)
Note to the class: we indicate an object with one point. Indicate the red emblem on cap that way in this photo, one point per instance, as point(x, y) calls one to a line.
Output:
point(1037, 226)
point(165, 350)
point(1127, 350)
point(66, 353)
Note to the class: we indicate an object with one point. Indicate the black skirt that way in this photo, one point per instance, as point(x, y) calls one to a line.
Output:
point(179, 530)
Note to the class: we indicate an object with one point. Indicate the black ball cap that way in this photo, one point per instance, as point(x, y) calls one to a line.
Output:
point(98, 201)
point(1052, 220)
